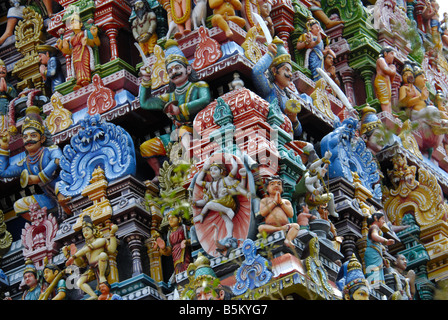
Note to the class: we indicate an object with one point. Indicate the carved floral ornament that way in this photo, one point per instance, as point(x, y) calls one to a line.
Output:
point(423, 197)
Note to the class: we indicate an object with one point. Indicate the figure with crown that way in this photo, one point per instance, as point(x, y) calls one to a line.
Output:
point(278, 85)
point(7, 93)
point(80, 48)
point(39, 166)
point(186, 96)
point(94, 255)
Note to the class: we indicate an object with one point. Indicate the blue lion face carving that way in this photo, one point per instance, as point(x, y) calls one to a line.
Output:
point(97, 143)
point(349, 154)
point(92, 133)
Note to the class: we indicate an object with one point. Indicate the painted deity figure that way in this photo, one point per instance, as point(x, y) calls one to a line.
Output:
point(50, 66)
point(15, 14)
point(414, 97)
point(40, 165)
point(385, 74)
point(220, 192)
point(373, 256)
point(80, 48)
point(265, 13)
point(352, 282)
point(94, 255)
point(313, 42)
point(371, 130)
point(404, 281)
point(143, 26)
point(278, 85)
point(7, 93)
point(277, 212)
point(186, 96)
point(304, 217)
point(104, 288)
point(54, 287)
point(224, 11)
point(30, 282)
point(178, 244)
point(431, 14)
point(313, 187)
point(329, 67)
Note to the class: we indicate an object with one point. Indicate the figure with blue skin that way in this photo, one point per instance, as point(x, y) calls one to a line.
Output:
point(278, 84)
point(313, 42)
point(50, 66)
point(39, 166)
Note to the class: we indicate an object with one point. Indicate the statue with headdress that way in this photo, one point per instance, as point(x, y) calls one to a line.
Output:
point(50, 66)
point(39, 164)
point(278, 84)
point(79, 47)
point(203, 282)
point(54, 287)
point(220, 207)
point(31, 282)
point(313, 40)
point(7, 93)
point(94, 255)
point(352, 282)
point(186, 96)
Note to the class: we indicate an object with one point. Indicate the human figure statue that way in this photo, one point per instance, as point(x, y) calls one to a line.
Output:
point(50, 66)
point(278, 85)
point(313, 42)
point(265, 13)
point(352, 282)
point(313, 186)
point(94, 255)
point(39, 167)
point(181, 15)
point(385, 74)
point(186, 96)
point(223, 11)
point(372, 131)
point(15, 14)
point(404, 280)
point(431, 15)
point(143, 26)
point(80, 48)
point(54, 287)
point(7, 93)
point(30, 282)
point(322, 209)
point(414, 97)
point(178, 244)
point(220, 192)
point(304, 217)
point(373, 256)
point(104, 288)
point(409, 95)
point(329, 67)
point(277, 212)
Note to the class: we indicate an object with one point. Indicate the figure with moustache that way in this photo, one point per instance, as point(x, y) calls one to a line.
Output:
point(277, 212)
point(186, 96)
point(278, 83)
point(39, 166)
point(143, 25)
